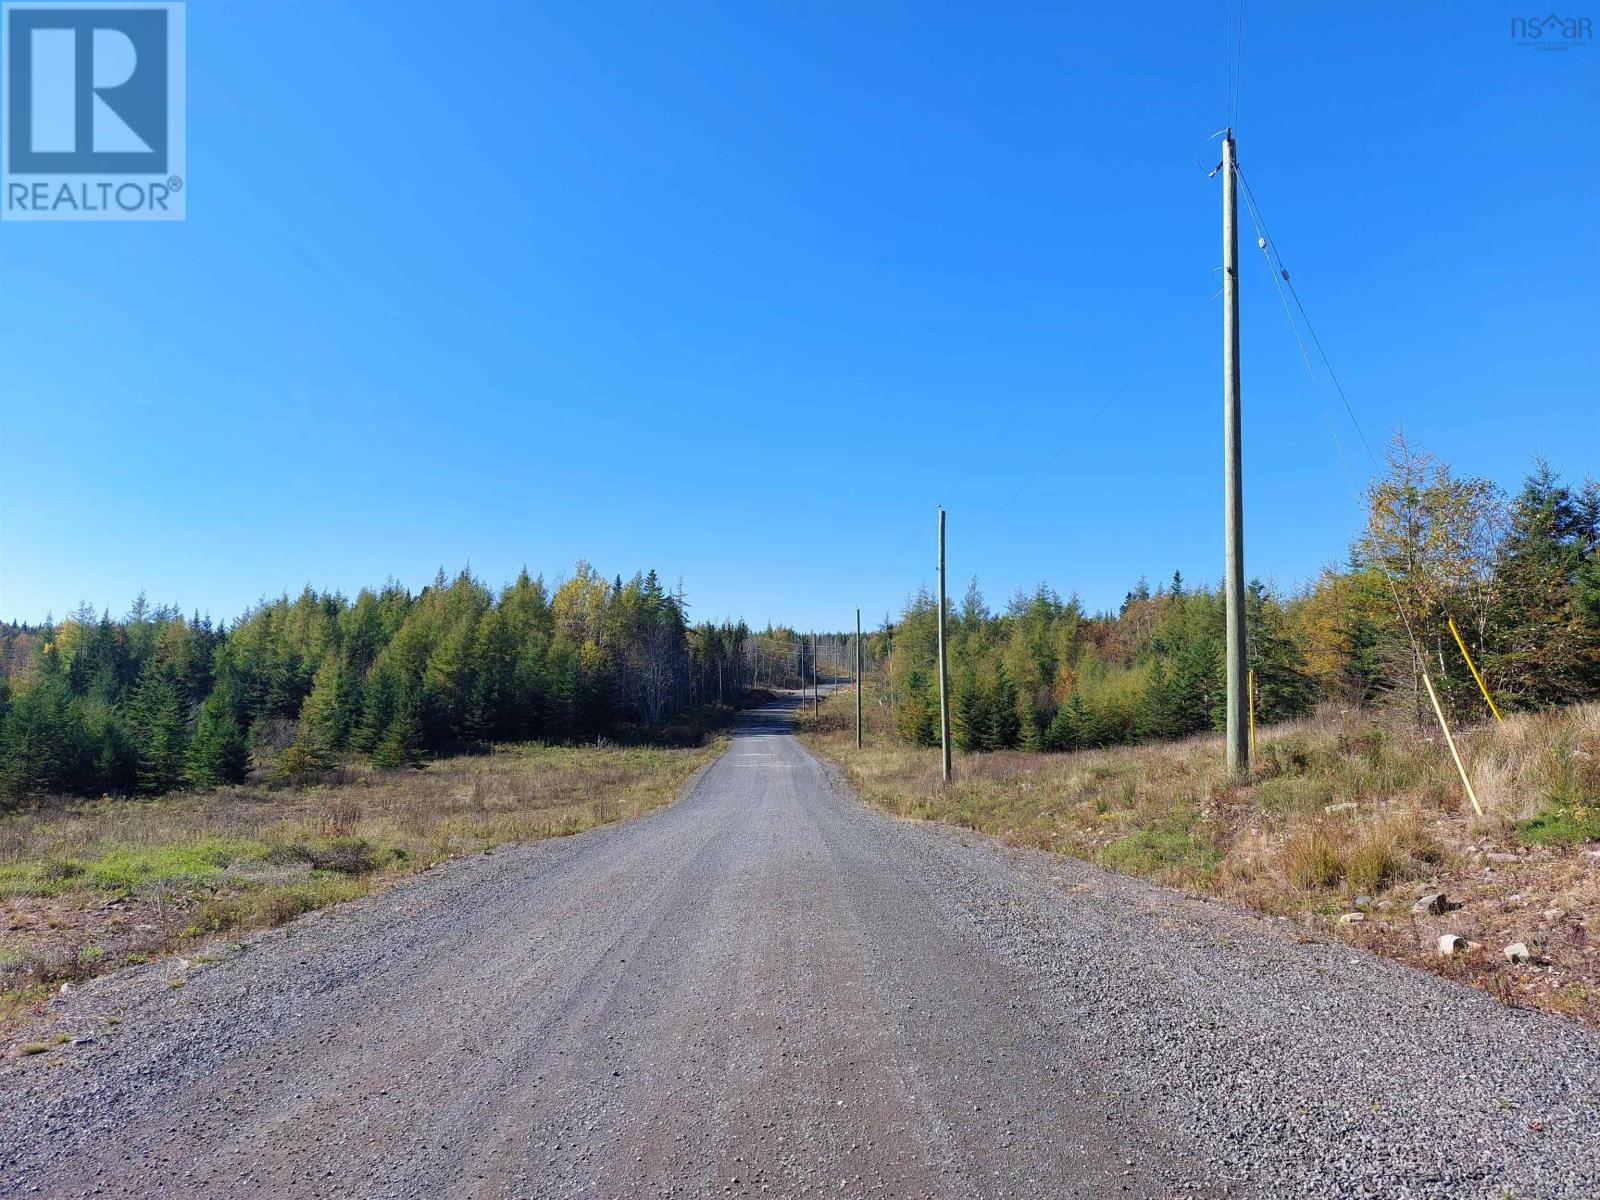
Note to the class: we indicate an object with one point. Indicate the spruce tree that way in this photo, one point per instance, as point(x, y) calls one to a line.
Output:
point(967, 720)
point(402, 743)
point(1004, 725)
point(1546, 646)
point(38, 740)
point(1156, 717)
point(1032, 737)
point(218, 753)
point(1283, 689)
point(159, 734)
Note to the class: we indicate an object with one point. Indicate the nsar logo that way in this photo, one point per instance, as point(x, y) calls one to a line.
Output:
point(92, 112)
point(1552, 32)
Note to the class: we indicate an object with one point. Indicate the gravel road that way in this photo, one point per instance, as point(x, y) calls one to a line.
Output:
point(768, 989)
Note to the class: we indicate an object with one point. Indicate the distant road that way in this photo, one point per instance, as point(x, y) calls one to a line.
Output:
point(769, 989)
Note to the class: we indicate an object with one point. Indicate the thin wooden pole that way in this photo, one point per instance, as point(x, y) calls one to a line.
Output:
point(1451, 742)
point(858, 679)
point(944, 680)
point(1238, 735)
point(1482, 687)
point(816, 698)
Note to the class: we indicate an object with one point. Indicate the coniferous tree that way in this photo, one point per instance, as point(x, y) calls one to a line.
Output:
point(1031, 737)
point(1004, 725)
point(1158, 718)
point(377, 711)
point(38, 740)
point(402, 743)
point(968, 720)
point(218, 753)
point(158, 728)
point(1060, 735)
point(1546, 647)
point(1283, 689)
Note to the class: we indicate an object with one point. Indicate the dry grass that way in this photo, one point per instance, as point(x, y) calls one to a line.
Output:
point(89, 886)
point(1341, 813)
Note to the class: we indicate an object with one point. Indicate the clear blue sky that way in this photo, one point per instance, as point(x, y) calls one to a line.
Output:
point(741, 292)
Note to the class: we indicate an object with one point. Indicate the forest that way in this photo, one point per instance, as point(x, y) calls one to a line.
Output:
point(1519, 576)
point(156, 701)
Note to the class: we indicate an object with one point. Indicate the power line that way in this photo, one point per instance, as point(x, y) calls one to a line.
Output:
point(1283, 273)
point(1280, 277)
point(1235, 56)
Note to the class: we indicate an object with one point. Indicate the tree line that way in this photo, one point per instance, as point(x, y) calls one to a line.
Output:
point(156, 701)
point(1519, 576)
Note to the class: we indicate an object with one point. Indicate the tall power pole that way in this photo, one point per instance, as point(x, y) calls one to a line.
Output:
point(858, 679)
point(816, 698)
point(1233, 487)
point(944, 679)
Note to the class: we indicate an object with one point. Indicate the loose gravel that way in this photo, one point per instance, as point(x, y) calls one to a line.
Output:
point(768, 989)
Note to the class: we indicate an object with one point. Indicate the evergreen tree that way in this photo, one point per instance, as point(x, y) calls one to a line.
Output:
point(402, 743)
point(1546, 646)
point(218, 753)
point(1004, 724)
point(1065, 732)
point(968, 720)
point(1197, 690)
point(327, 717)
point(108, 762)
point(1158, 717)
point(1031, 737)
point(377, 711)
point(1283, 689)
point(38, 740)
point(159, 734)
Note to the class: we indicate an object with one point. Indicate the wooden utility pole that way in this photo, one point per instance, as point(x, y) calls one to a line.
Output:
point(858, 679)
point(816, 698)
point(944, 679)
point(1238, 734)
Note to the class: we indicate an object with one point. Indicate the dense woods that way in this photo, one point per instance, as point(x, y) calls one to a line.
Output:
point(155, 700)
point(1520, 576)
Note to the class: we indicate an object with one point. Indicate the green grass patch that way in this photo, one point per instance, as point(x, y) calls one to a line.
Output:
point(129, 868)
point(186, 865)
point(1156, 850)
point(1295, 793)
point(1562, 825)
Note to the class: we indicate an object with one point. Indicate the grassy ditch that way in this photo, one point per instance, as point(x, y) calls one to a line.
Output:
point(1343, 814)
point(86, 887)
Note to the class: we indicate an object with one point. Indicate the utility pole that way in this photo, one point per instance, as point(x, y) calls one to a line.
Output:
point(858, 679)
point(944, 681)
point(816, 696)
point(1233, 487)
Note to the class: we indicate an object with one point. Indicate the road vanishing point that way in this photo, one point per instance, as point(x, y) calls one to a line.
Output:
point(770, 989)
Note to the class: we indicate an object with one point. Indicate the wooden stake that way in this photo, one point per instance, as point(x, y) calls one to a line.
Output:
point(1487, 699)
point(1451, 742)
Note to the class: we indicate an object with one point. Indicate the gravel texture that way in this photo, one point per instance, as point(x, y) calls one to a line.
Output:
point(768, 989)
